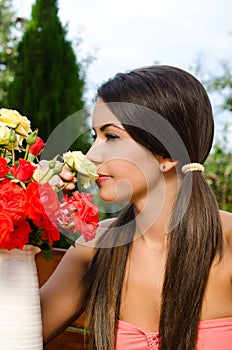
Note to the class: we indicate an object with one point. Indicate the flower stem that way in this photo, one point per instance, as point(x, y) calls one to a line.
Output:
point(44, 177)
point(13, 154)
point(27, 151)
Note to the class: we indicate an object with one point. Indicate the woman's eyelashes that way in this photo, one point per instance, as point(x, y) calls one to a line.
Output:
point(108, 136)
point(111, 137)
point(93, 136)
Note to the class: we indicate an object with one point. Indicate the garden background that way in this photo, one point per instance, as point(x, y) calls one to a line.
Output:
point(46, 74)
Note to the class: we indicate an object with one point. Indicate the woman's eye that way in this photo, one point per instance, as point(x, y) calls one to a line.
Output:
point(93, 136)
point(111, 137)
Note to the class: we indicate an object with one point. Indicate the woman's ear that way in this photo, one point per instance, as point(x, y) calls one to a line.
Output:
point(166, 164)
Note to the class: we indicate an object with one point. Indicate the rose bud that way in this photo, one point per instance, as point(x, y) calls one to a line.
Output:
point(31, 138)
point(23, 171)
point(37, 147)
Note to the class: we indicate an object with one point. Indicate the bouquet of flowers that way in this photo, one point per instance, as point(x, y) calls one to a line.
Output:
point(40, 200)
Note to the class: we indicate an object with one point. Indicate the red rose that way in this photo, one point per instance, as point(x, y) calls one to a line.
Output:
point(85, 214)
point(13, 201)
point(19, 237)
point(37, 147)
point(3, 182)
point(41, 199)
point(23, 171)
point(88, 231)
point(42, 204)
point(6, 227)
point(34, 206)
point(87, 211)
point(3, 167)
point(50, 232)
point(10, 236)
point(49, 199)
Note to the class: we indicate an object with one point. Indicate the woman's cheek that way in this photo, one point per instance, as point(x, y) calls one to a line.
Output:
point(116, 191)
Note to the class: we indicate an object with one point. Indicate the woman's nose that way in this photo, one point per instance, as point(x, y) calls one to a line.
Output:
point(94, 154)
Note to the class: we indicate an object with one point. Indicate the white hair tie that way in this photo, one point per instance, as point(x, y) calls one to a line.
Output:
point(192, 167)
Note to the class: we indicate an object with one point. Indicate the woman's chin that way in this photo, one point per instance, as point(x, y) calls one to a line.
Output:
point(120, 192)
point(113, 198)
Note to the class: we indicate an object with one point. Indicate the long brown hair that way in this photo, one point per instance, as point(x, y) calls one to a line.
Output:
point(196, 234)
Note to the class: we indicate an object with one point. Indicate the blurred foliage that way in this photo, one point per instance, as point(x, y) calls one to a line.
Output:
point(11, 28)
point(218, 166)
point(49, 82)
point(218, 172)
point(223, 85)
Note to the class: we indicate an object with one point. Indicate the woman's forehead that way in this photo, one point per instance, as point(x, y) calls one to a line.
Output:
point(102, 115)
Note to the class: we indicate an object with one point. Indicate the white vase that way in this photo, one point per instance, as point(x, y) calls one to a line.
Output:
point(20, 316)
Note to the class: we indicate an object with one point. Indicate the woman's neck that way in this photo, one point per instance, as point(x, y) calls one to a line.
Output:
point(153, 214)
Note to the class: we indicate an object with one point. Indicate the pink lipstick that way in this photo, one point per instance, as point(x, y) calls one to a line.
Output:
point(103, 177)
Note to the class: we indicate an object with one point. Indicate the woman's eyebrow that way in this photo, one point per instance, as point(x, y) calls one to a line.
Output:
point(103, 127)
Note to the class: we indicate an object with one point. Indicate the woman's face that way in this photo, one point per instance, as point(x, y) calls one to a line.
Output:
point(127, 171)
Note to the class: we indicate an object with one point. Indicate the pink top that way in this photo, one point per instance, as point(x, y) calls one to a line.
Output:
point(212, 335)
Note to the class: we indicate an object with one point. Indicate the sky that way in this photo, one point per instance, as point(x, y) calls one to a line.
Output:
point(126, 34)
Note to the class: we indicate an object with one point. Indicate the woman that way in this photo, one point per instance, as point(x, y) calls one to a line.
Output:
point(159, 276)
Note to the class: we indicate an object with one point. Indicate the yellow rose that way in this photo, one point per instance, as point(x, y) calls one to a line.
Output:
point(77, 161)
point(4, 135)
point(14, 120)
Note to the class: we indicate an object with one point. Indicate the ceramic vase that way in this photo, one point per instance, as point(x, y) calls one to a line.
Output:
point(20, 315)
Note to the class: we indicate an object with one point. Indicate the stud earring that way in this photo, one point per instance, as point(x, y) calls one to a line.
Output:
point(162, 167)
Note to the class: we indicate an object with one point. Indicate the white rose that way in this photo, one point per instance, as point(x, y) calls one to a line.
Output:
point(14, 120)
point(4, 135)
point(77, 161)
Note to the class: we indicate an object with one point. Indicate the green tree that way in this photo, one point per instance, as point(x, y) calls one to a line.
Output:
point(10, 31)
point(219, 163)
point(219, 172)
point(223, 85)
point(218, 167)
point(49, 83)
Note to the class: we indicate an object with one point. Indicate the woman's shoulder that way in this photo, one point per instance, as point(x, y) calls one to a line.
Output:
point(226, 220)
point(85, 250)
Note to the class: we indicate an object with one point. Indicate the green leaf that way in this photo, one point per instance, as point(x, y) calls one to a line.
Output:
point(47, 254)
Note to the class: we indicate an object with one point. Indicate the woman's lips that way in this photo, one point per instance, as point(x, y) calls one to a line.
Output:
point(103, 177)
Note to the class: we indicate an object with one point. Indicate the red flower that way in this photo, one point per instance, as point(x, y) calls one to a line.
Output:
point(13, 201)
point(49, 199)
point(10, 236)
point(50, 232)
point(3, 181)
point(88, 231)
point(42, 206)
point(41, 199)
point(3, 167)
point(37, 147)
point(87, 211)
point(34, 205)
point(24, 171)
point(85, 214)
point(6, 227)
point(19, 237)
